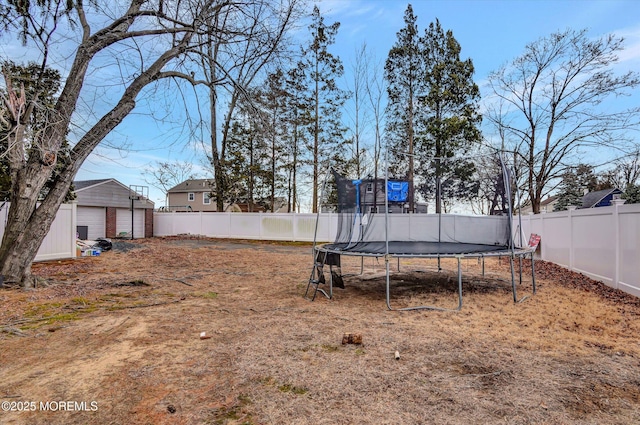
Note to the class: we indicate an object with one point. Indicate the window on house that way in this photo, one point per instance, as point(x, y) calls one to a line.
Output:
point(191, 197)
point(206, 198)
point(373, 210)
point(369, 187)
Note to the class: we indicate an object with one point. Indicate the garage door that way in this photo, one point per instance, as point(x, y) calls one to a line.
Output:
point(123, 222)
point(95, 220)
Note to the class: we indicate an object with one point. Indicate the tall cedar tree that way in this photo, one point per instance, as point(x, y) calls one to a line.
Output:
point(322, 69)
point(448, 121)
point(403, 71)
point(298, 117)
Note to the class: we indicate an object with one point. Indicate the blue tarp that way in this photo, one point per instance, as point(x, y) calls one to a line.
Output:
point(397, 191)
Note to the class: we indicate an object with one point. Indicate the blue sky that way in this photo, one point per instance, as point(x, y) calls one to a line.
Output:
point(491, 33)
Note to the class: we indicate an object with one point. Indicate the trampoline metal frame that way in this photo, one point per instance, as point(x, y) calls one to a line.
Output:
point(521, 253)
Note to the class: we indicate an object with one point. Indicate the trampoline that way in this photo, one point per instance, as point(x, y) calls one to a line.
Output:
point(362, 232)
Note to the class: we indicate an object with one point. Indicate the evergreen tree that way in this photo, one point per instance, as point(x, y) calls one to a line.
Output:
point(632, 194)
point(570, 192)
point(587, 178)
point(273, 100)
point(449, 120)
point(322, 68)
point(248, 178)
point(297, 118)
point(432, 112)
point(403, 72)
point(40, 87)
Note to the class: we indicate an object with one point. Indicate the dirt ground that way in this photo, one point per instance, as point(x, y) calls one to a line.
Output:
point(116, 339)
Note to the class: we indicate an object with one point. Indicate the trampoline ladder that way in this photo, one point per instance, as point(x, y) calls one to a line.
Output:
point(316, 279)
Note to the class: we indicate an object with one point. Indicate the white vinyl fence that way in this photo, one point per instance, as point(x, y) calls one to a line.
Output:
point(602, 243)
point(60, 242)
point(259, 226)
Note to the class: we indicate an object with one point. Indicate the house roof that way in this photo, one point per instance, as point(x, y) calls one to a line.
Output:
point(592, 199)
point(549, 200)
point(193, 185)
point(83, 184)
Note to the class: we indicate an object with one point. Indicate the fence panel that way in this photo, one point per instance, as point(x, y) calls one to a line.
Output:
point(60, 242)
point(558, 246)
point(593, 243)
point(629, 249)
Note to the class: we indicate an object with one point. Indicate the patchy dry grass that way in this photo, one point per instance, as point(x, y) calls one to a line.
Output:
point(123, 330)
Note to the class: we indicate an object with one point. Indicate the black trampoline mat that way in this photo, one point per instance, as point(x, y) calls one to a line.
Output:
point(415, 249)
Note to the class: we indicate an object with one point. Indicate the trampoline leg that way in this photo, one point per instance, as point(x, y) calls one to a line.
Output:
point(459, 286)
point(533, 274)
point(513, 279)
point(330, 282)
point(520, 257)
point(361, 266)
point(386, 265)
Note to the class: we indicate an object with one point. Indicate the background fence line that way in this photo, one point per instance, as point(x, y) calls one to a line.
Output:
point(602, 243)
point(260, 226)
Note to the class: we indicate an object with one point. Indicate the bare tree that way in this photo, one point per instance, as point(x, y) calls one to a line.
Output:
point(626, 171)
point(166, 174)
point(360, 117)
point(553, 95)
point(168, 32)
point(375, 90)
point(232, 64)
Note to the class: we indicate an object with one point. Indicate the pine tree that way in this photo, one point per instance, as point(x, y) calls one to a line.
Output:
point(632, 194)
point(570, 192)
point(403, 72)
point(449, 120)
point(40, 87)
point(432, 112)
point(322, 69)
point(274, 100)
point(296, 119)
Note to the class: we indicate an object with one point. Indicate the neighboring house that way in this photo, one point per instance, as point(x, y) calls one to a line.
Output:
point(191, 195)
point(104, 210)
point(194, 195)
point(547, 205)
point(600, 198)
